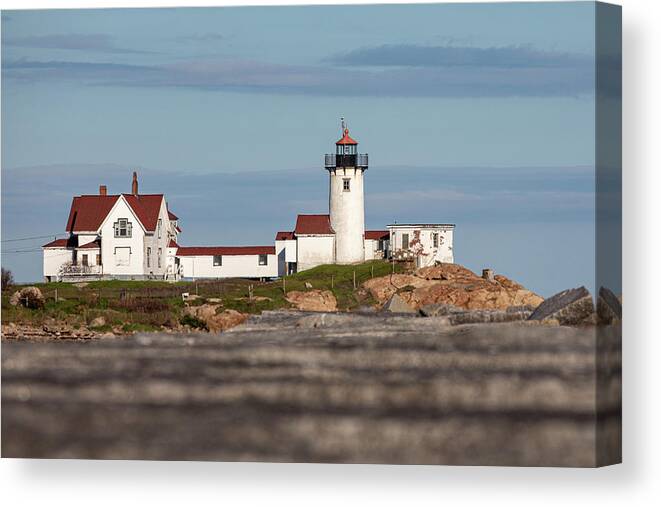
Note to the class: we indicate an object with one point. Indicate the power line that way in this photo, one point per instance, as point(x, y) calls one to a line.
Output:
point(33, 237)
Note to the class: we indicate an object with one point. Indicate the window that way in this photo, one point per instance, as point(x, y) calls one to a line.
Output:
point(434, 239)
point(380, 245)
point(160, 227)
point(122, 256)
point(405, 241)
point(85, 260)
point(263, 260)
point(148, 256)
point(98, 259)
point(160, 251)
point(217, 260)
point(346, 182)
point(123, 228)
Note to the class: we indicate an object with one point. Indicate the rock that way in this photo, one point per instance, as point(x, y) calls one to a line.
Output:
point(216, 322)
point(30, 297)
point(397, 305)
point(609, 307)
point(313, 301)
point(570, 307)
point(214, 300)
point(98, 322)
point(452, 284)
point(436, 309)
point(487, 317)
point(308, 285)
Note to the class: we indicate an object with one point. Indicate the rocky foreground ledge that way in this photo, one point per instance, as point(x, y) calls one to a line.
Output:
point(317, 387)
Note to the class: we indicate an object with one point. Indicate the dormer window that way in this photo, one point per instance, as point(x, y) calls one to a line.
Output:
point(123, 228)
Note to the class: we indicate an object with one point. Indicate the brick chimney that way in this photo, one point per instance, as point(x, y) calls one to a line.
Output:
point(134, 185)
point(103, 190)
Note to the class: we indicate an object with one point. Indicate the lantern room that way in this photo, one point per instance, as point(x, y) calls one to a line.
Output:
point(346, 153)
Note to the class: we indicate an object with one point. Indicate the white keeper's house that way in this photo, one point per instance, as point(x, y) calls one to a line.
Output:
point(135, 236)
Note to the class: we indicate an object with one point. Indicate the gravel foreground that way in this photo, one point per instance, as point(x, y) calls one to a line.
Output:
point(338, 388)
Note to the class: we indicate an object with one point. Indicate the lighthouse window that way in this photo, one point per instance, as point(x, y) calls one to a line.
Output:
point(346, 184)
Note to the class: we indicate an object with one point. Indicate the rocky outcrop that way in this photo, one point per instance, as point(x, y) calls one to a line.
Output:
point(313, 300)
point(609, 308)
point(570, 307)
point(452, 284)
point(215, 320)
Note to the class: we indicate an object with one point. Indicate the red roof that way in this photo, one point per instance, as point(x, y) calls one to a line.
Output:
point(283, 235)
point(313, 224)
point(377, 235)
point(346, 139)
point(61, 243)
point(88, 211)
point(173, 244)
point(172, 216)
point(147, 207)
point(225, 250)
point(92, 244)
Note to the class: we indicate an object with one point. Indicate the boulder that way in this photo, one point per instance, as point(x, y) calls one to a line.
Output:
point(313, 301)
point(609, 307)
point(308, 285)
point(98, 322)
point(216, 321)
point(397, 305)
point(30, 297)
point(570, 307)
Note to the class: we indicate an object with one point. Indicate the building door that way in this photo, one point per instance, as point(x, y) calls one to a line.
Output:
point(85, 260)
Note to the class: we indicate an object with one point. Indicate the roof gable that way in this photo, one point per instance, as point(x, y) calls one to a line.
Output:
point(88, 212)
point(313, 224)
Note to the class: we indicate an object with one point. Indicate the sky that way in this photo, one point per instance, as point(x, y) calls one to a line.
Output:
point(477, 114)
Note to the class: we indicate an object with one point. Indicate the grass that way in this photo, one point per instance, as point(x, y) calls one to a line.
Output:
point(150, 305)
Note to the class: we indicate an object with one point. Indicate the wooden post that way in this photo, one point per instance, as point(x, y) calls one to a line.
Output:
point(354, 278)
point(372, 270)
point(332, 282)
point(56, 295)
point(197, 291)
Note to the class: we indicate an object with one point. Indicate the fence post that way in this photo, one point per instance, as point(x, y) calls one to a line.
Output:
point(354, 278)
point(284, 287)
point(197, 291)
point(56, 295)
point(372, 270)
point(332, 282)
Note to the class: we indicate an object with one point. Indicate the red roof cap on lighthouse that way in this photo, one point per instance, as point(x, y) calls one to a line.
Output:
point(346, 139)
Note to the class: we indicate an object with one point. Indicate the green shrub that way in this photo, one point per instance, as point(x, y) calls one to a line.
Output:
point(194, 322)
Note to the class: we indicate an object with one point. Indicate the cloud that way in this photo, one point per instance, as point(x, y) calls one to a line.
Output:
point(509, 57)
point(93, 42)
point(261, 77)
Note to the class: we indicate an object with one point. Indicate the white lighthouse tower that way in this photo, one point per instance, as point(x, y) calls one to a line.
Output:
point(346, 168)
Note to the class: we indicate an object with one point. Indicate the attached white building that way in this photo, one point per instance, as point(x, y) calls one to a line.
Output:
point(228, 262)
point(427, 244)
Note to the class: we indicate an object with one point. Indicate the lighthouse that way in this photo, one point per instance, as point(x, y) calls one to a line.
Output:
point(346, 168)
